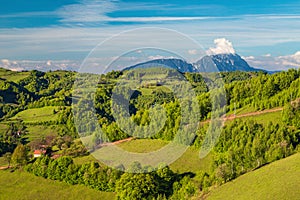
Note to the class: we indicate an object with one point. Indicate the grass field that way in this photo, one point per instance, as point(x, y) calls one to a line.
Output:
point(87, 140)
point(37, 114)
point(13, 76)
point(39, 131)
point(278, 180)
point(245, 109)
point(22, 185)
point(3, 127)
point(265, 118)
point(191, 162)
point(274, 117)
point(34, 131)
point(83, 159)
point(188, 162)
point(3, 162)
point(142, 145)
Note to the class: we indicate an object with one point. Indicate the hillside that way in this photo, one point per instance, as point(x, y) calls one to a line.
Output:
point(278, 180)
point(22, 185)
point(263, 114)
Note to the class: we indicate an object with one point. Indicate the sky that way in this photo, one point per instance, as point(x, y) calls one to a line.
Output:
point(60, 34)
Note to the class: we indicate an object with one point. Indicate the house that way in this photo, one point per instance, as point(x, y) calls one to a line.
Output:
point(38, 153)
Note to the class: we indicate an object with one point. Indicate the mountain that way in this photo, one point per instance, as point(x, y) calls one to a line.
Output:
point(210, 63)
point(223, 62)
point(178, 64)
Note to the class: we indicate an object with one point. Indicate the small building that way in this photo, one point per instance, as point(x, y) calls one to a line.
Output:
point(38, 153)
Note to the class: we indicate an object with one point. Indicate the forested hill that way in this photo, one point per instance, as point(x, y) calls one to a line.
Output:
point(34, 89)
point(22, 91)
point(35, 110)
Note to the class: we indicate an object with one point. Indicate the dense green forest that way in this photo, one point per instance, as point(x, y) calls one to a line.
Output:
point(36, 110)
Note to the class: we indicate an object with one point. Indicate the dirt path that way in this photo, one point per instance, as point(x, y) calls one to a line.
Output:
point(232, 116)
point(5, 167)
point(116, 142)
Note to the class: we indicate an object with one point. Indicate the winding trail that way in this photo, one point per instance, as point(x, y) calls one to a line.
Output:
point(116, 142)
point(229, 117)
point(232, 116)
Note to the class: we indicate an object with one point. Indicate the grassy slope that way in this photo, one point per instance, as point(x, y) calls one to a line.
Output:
point(188, 162)
point(40, 131)
point(3, 162)
point(3, 127)
point(13, 76)
point(265, 118)
point(37, 114)
point(142, 145)
point(278, 180)
point(262, 118)
point(22, 185)
point(34, 131)
point(84, 159)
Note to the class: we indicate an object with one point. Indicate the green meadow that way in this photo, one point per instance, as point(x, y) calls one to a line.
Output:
point(35, 115)
point(278, 180)
point(22, 185)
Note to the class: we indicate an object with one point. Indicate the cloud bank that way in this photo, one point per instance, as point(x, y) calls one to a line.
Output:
point(271, 63)
point(21, 65)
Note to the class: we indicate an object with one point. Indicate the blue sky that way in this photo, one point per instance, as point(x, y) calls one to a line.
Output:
point(266, 33)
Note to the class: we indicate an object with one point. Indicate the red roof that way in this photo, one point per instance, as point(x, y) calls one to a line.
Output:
point(39, 152)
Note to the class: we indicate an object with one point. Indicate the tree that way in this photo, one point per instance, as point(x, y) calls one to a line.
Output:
point(19, 156)
point(184, 189)
point(223, 173)
point(136, 186)
point(7, 157)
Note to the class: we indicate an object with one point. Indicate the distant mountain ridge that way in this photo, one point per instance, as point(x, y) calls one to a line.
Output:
point(223, 62)
point(209, 63)
point(173, 63)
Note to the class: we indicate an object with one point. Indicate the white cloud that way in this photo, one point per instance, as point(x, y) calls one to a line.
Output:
point(154, 19)
point(156, 57)
point(292, 60)
point(296, 56)
point(277, 16)
point(223, 46)
point(19, 65)
point(267, 55)
point(49, 63)
point(86, 11)
point(5, 62)
point(248, 57)
point(90, 11)
point(96, 11)
point(275, 63)
point(67, 43)
point(192, 51)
